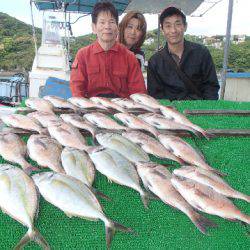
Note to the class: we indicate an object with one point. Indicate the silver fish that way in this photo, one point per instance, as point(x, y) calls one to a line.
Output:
point(130, 104)
point(44, 118)
point(85, 103)
point(18, 198)
point(122, 145)
point(77, 163)
point(134, 122)
point(172, 113)
point(208, 178)
point(23, 122)
point(46, 152)
point(68, 135)
point(39, 104)
point(207, 200)
point(79, 122)
point(185, 151)
point(13, 149)
point(157, 179)
point(118, 169)
point(146, 100)
point(107, 103)
point(161, 122)
point(151, 145)
point(75, 199)
point(59, 102)
point(103, 121)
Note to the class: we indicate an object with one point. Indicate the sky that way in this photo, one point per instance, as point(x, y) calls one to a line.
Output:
point(213, 22)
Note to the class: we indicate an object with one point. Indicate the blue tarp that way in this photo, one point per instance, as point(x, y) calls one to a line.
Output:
point(81, 6)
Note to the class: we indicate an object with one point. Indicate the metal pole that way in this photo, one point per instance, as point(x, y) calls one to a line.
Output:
point(226, 48)
point(158, 33)
point(33, 27)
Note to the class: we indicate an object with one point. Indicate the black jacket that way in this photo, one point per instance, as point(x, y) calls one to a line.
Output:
point(164, 82)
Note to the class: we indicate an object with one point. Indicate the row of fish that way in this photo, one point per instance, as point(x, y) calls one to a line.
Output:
point(169, 118)
point(122, 158)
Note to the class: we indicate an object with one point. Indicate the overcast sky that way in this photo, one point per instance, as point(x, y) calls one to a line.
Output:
point(211, 23)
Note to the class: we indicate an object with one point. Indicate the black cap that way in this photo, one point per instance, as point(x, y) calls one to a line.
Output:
point(170, 11)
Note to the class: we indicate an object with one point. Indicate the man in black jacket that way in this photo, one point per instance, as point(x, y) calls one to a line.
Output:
point(182, 70)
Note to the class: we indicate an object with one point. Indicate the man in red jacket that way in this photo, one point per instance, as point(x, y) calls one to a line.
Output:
point(105, 67)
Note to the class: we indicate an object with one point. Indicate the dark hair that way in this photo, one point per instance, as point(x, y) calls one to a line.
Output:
point(170, 11)
point(142, 26)
point(105, 6)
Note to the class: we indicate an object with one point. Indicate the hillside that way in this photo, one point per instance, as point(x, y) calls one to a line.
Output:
point(16, 43)
point(17, 47)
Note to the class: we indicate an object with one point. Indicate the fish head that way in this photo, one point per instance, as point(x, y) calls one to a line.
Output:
point(94, 150)
point(5, 167)
point(41, 177)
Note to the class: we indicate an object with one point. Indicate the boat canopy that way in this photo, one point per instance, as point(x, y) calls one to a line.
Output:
point(77, 6)
point(144, 6)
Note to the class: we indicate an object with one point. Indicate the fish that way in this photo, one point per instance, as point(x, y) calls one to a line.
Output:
point(107, 103)
point(208, 178)
point(85, 103)
point(130, 104)
point(75, 199)
point(171, 113)
point(46, 152)
point(122, 145)
point(161, 122)
point(134, 122)
point(79, 122)
point(14, 149)
point(23, 122)
point(77, 163)
point(103, 121)
point(151, 145)
point(19, 199)
point(186, 152)
point(146, 100)
point(157, 179)
point(207, 200)
point(68, 135)
point(44, 118)
point(59, 102)
point(117, 169)
point(39, 104)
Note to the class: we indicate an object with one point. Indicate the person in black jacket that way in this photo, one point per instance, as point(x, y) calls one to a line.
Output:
point(182, 70)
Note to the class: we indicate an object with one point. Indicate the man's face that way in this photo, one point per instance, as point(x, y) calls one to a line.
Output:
point(105, 28)
point(173, 29)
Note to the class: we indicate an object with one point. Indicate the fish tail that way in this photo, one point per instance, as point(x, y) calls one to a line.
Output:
point(244, 217)
point(218, 172)
point(28, 168)
point(244, 197)
point(204, 133)
point(201, 222)
point(145, 198)
point(111, 227)
point(32, 235)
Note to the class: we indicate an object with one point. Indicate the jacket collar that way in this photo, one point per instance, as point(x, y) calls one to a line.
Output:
point(98, 49)
point(188, 47)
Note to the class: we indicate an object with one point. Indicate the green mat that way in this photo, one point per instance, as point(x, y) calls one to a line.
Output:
point(159, 227)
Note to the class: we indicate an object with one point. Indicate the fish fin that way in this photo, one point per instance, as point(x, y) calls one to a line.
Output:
point(218, 172)
point(36, 236)
point(69, 215)
point(28, 170)
point(102, 195)
point(201, 194)
point(111, 230)
point(202, 222)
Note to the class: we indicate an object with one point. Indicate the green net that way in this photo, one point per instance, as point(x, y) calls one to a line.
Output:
point(159, 227)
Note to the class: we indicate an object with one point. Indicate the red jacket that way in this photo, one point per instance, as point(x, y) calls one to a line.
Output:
point(115, 71)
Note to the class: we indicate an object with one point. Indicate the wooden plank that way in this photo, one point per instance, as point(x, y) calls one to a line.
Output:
point(217, 112)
